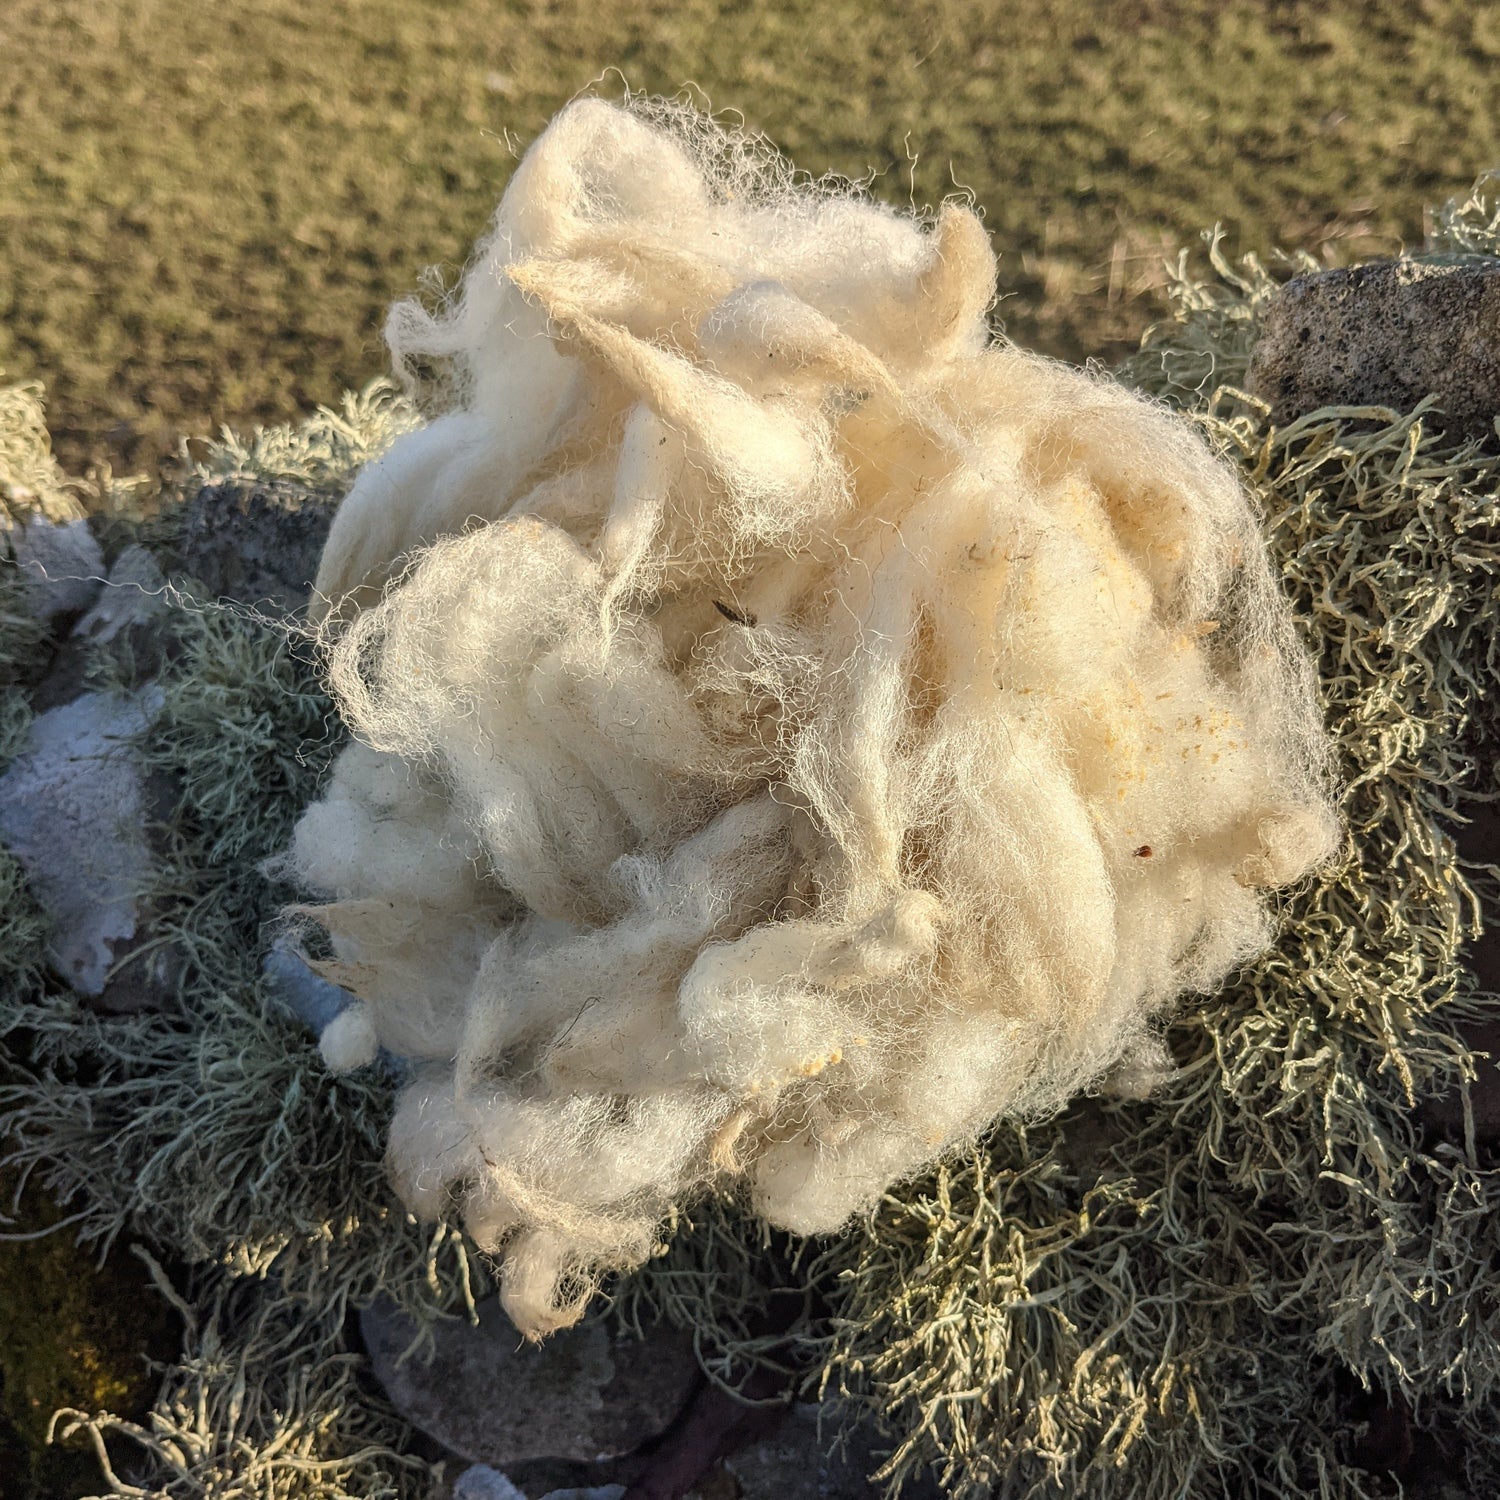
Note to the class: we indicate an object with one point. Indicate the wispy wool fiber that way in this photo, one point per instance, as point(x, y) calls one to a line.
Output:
point(797, 727)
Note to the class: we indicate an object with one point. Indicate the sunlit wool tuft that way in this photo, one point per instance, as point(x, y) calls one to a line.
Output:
point(797, 726)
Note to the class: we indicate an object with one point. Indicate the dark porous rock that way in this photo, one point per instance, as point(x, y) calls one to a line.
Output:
point(1386, 334)
point(803, 1460)
point(586, 1394)
point(256, 541)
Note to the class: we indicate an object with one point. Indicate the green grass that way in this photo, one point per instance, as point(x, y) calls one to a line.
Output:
point(204, 210)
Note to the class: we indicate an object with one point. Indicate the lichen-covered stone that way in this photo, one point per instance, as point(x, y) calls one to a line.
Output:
point(62, 564)
point(1386, 334)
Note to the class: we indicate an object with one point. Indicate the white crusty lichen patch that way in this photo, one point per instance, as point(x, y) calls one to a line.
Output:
point(73, 812)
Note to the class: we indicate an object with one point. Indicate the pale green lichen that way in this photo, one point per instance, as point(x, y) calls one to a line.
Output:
point(1471, 225)
point(325, 450)
point(31, 483)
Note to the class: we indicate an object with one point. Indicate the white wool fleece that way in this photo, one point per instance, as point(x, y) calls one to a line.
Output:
point(797, 727)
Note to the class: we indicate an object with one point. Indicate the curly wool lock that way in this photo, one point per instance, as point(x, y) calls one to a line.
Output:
point(797, 726)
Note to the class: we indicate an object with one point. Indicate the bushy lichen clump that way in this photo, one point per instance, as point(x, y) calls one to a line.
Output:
point(1180, 1296)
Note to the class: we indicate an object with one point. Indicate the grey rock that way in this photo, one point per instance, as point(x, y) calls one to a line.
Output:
point(1385, 334)
point(315, 1001)
point(129, 612)
point(481, 1482)
point(308, 996)
point(62, 563)
point(584, 1395)
point(800, 1462)
point(132, 596)
point(256, 541)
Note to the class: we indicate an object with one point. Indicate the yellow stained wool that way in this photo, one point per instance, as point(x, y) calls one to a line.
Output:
point(796, 726)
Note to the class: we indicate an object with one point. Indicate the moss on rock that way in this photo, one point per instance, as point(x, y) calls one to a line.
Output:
point(73, 1333)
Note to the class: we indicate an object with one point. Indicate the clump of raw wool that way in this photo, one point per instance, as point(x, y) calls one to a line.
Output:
point(797, 726)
